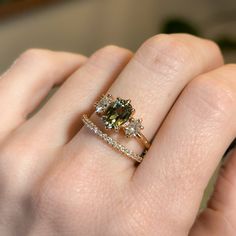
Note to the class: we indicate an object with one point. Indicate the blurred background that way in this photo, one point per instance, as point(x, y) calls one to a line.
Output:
point(86, 25)
point(83, 26)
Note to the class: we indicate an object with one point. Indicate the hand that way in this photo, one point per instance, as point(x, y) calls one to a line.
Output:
point(58, 178)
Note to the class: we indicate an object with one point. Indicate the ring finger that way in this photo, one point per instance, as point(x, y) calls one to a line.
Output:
point(153, 79)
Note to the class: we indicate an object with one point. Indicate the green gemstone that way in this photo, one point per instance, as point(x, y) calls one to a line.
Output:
point(117, 113)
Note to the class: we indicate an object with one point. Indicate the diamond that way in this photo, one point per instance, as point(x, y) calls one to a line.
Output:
point(103, 104)
point(133, 127)
point(117, 114)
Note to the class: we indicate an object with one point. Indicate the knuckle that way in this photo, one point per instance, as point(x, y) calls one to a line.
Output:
point(109, 56)
point(33, 53)
point(114, 49)
point(214, 50)
point(169, 45)
point(164, 53)
point(214, 94)
point(110, 51)
point(213, 45)
point(39, 57)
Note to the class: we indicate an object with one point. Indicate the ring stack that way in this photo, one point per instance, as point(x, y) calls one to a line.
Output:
point(117, 114)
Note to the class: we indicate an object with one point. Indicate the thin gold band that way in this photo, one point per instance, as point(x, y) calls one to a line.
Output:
point(143, 140)
point(109, 140)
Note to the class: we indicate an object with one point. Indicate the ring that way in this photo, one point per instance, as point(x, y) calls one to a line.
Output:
point(117, 114)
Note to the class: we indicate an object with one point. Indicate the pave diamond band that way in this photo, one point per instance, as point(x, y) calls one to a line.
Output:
point(121, 148)
point(117, 114)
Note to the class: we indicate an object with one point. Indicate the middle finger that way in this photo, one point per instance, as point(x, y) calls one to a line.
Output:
point(58, 120)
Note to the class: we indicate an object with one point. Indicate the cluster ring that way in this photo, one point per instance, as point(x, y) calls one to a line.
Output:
point(117, 114)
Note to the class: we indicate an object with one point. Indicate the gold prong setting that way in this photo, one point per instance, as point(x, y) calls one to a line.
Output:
point(118, 115)
point(133, 128)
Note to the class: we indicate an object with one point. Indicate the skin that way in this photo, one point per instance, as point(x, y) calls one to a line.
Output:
point(57, 178)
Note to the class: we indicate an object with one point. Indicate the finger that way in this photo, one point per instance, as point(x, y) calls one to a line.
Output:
point(188, 147)
point(219, 218)
point(152, 80)
point(29, 80)
point(60, 118)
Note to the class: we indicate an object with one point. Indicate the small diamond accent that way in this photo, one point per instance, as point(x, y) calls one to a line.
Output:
point(118, 146)
point(103, 104)
point(133, 128)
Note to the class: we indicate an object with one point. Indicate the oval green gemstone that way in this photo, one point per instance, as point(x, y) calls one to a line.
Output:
point(117, 114)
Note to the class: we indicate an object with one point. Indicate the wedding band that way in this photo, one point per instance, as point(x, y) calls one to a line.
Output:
point(117, 114)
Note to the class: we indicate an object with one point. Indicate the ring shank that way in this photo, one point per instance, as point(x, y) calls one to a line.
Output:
point(143, 140)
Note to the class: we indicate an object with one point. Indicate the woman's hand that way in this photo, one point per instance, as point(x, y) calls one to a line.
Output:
point(58, 178)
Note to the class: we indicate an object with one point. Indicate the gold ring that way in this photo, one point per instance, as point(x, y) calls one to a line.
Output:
point(117, 114)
